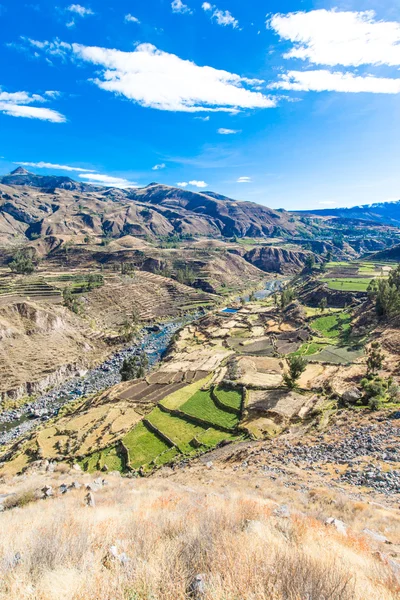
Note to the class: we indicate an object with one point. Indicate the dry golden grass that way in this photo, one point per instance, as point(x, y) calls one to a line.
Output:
point(171, 533)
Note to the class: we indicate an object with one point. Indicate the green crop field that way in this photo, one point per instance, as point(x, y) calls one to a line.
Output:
point(348, 284)
point(143, 446)
point(231, 398)
point(202, 406)
point(309, 348)
point(332, 326)
point(211, 437)
point(178, 430)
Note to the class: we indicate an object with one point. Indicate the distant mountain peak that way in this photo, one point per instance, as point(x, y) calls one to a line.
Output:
point(20, 171)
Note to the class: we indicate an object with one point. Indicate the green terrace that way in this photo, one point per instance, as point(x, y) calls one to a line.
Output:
point(178, 427)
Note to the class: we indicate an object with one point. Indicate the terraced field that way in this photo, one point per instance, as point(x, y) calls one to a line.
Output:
point(34, 288)
point(354, 276)
point(194, 424)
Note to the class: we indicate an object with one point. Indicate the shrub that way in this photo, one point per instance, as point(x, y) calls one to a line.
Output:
point(21, 263)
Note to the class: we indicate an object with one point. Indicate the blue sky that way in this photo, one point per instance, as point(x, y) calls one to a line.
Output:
point(292, 104)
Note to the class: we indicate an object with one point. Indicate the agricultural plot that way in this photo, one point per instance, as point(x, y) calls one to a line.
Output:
point(203, 407)
point(143, 446)
point(338, 355)
point(178, 430)
point(354, 276)
point(333, 326)
point(34, 288)
point(198, 424)
point(232, 399)
point(348, 284)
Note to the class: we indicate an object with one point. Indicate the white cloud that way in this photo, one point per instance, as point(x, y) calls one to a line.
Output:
point(31, 112)
point(223, 131)
point(80, 10)
point(222, 17)
point(203, 118)
point(117, 182)
point(199, 184)
point(164, 81)
point(46, 165)
point(322, 80)
point(333, 37)
point(244, 180)
point(179, 7)
point(18, 104)
point(193, 183)
point(158, 167)
point(131, 19)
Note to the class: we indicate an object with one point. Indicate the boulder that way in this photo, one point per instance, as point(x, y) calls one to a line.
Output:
point(351, 396)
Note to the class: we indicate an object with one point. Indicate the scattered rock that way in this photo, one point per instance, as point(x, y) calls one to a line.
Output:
point(282, 511)
point(63, 488)
point(377, 537)
point(337, 524)
point(198, 587)
point(77, 467)
point(89, 499)
point(47, 491)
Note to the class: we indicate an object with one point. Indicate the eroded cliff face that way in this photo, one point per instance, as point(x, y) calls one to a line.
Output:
point(41, 344)
point(277, 260)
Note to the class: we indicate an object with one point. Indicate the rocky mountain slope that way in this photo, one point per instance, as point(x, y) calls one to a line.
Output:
point(383, 212)
point(34, 205)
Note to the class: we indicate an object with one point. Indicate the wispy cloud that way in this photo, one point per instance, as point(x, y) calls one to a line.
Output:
point(80, 10)
point(118, 182)
point(222, 17)
point(244, 180)
point(131, 19)
point(322, 80)
point(159, 167)
point(19, 104)
point(193, 183)
point(157, 79)
point(179, 7)
point(46, 165)
point(223, 131)
point(203, 118)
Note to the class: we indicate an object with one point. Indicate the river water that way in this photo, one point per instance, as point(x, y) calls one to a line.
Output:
point(14, 423)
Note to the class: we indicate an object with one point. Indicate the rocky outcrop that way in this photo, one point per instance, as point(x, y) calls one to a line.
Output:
point(277, 260)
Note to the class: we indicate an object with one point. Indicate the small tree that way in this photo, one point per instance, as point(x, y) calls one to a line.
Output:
point(287, 296)
point(323, 304)
point(375, 358)
point(309, 262)
point(134, 367)
point(297, 366)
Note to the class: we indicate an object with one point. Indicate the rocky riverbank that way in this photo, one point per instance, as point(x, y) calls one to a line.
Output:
point(154, 341)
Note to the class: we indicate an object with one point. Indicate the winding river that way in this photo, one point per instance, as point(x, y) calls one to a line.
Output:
point(14, 423)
